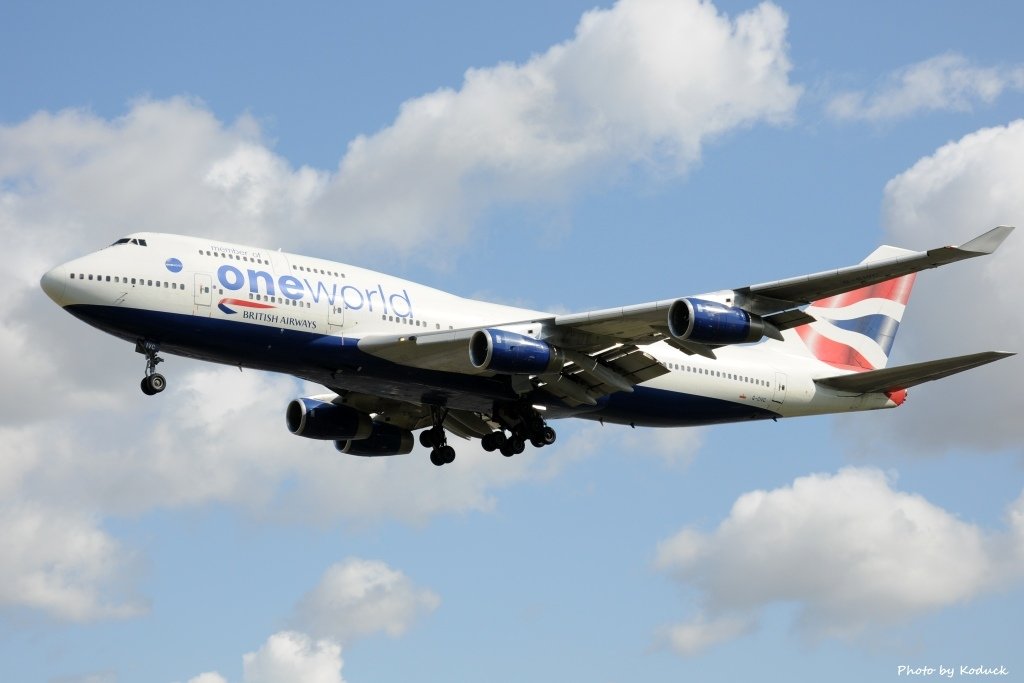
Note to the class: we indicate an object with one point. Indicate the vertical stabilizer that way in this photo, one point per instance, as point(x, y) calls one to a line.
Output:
point(855, 330)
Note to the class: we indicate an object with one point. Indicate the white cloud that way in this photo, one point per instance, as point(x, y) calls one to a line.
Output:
point(208, 677)
point(289, 656)
point(699, 634)
point(647, 81)
point(361, 597)
point(964, 188)
point(848, 550)
point(62, 564)
point(948, 82)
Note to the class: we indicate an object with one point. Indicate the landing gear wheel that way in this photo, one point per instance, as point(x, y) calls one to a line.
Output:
point(442, 455)
point(493, 441)
point(547, 435)
point(157, 382)
point(433, 437)
point(153, 384)
point(513, 446)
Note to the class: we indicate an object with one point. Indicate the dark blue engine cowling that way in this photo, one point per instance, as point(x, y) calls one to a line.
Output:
point(315, 419)
point(512, 353)
point(707, 322)
point(385, 439)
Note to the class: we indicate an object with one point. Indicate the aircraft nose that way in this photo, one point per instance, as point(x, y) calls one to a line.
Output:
point(54, 282)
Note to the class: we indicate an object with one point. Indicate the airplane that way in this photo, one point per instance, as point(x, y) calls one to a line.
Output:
point(399, 357)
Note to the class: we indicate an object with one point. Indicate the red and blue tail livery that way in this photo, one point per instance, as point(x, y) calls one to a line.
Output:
point(398, 358)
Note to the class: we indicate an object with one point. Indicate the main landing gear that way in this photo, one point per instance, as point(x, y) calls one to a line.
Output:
point(524, 425)
point(153, 382)
point(521, 424)
point(437, 441)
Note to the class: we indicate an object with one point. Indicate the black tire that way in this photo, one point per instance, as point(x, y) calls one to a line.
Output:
point(426, 440)
point(447, 454)
point(146, 389)
point(436, 458)
point(548, 436)
point(157, 382)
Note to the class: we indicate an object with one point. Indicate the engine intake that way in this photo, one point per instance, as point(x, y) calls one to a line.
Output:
point(315, 419)
point(512, 353)
point(384, 440)
point(708, 322)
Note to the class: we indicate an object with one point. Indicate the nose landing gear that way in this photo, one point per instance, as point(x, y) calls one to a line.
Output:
point(153, 382)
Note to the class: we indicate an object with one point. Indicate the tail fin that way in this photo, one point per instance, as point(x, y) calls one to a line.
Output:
point(855, 330)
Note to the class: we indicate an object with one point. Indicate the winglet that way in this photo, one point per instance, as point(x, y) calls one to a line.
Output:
point(989, 242)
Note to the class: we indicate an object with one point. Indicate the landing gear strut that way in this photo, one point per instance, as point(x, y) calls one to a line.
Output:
point(153, 382)
point(436, 440)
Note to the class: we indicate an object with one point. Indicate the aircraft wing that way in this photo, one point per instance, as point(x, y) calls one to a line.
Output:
point(775, 301)
point(906, 376)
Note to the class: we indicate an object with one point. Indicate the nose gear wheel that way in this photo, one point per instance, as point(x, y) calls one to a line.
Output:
point(153, 382)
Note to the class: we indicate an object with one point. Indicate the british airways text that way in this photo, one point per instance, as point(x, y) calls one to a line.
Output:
point(291, 287)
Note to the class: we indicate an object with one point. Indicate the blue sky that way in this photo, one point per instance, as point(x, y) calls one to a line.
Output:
point(557, 156)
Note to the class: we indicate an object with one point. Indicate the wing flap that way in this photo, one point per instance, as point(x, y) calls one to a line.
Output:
point(906, 376)
point(588, 378)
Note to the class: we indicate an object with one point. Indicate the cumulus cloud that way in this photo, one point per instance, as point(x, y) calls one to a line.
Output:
point(354, 598)
point(849, 550)
point(647, 81)
point(360, 597)
point(964, 188)
point(208, 677)
point(948, 82)
point(290, 656)
point(63, 565)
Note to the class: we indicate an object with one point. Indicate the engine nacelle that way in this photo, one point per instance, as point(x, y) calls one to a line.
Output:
point(513, 354)
point(385, 439)
point(708, 322)
point(315, 419)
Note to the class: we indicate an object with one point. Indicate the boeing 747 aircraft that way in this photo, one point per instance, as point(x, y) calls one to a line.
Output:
point(398, 357)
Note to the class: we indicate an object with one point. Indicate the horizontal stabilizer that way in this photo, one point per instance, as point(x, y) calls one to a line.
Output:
point(906, 376)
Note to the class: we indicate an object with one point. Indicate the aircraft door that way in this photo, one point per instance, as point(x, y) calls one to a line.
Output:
point(203, 294)
point(779, 391)
point(336, 313)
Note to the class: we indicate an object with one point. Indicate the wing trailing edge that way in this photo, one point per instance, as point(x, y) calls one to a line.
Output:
point(906, 376)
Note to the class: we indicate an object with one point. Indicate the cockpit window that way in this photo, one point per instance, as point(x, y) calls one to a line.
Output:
point(123, 240)
point(131, 240)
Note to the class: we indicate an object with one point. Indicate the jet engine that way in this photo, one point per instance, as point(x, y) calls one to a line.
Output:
point(384, 439)
point(512, 353)
point(316, 419)
point(708, 322)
